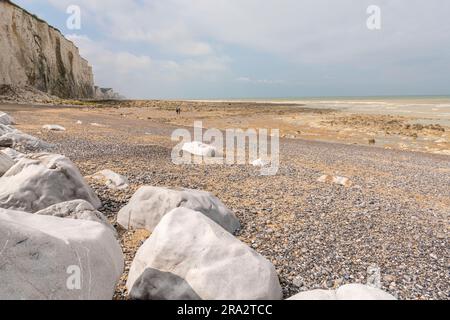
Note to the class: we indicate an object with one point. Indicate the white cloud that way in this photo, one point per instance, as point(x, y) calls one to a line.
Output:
point(311, 40)
point(102, 58)
point(319, 31)
point(133, 74)
point(154, 22)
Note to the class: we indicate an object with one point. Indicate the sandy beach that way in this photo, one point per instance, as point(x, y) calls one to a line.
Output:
point(393, 218)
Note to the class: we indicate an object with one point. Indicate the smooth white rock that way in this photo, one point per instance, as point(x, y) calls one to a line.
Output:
point(22, 141)
point(318, 294)
point(42, 257)
point(5, 163)
point(6, 129)
point(362, 292)
point(41, 180)
point(53, 127)
point(347, 292)
point(13, 154)
point(149, 204)
point(111, 179)
point(158, 285)
point(6, 119)
point(200, 149)
point(214, 264)
point(77, 209)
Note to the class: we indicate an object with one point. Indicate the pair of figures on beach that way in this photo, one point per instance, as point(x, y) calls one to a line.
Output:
point(178, 110)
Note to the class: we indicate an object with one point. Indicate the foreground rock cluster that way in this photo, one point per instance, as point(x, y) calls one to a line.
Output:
point(56, 244)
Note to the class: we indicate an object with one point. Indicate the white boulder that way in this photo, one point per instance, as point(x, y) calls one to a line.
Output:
point(362, 292)
point(50, 258)
point(203, 260)
point(149, 204)
point(11, 137)
point(318, 294)
point(6, 119)
point(53, 127)
point(200, 149)
point(77, 209)
point(158, 285)
point(13, 154)
point(22, 141)
point(4, 129)
point(111, 179)
point(346, 292)
point(41, 180)
point(5, 163)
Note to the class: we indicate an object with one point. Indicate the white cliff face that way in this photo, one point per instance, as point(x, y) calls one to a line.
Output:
point(32, 53)
point(106, 94)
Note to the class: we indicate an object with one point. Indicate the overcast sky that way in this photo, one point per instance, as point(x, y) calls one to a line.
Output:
point(259, 48)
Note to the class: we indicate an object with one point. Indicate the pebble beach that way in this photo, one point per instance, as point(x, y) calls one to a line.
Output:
point(392, 221)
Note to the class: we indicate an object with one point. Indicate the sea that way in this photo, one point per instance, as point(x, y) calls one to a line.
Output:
point(427, 109)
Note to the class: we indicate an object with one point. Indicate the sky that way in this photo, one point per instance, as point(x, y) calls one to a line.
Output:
point(219, 49)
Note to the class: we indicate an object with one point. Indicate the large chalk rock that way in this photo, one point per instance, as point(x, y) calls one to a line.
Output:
point(362, 292)
point(11, 137)
point(111, 179)
point(41, 180)
point(346, 292)
point(53, 127)
point(200, 149)
point(13, 154)
point(4, 129)
point(158, 285)
point(6, 119)
point(50, 258)
point(149, 204)
point(22, 141)
point(204, 261)
point(5, 163)
point(77, 209)
point(318, 294)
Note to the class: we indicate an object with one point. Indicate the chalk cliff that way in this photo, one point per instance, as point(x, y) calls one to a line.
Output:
point(106, 94)
point(33, 53)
